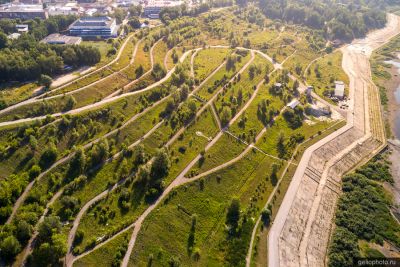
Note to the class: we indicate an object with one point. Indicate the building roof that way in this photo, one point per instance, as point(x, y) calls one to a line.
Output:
point(14, 36)
point(11, 7)
point(57, 38)
point(93, 22)
point(163, 3)
point(339, 88)
point(293, 104)
point(22, 27)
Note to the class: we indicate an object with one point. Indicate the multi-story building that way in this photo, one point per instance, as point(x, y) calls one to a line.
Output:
point(21, 11)
point(67, 9)
point(152, 8)
point(92, 27)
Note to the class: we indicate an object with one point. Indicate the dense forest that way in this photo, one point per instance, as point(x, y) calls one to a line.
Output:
point(27, 59)
point(363, 214)
point(339, 20)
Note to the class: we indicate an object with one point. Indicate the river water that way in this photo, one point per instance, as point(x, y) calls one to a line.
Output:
point(396, 123)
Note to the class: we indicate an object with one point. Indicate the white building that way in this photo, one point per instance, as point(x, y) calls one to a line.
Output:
point(293, 104)
point(153, 7)
point(68, 9)
point(57, 38)
point(339, 89)
point(21, 28)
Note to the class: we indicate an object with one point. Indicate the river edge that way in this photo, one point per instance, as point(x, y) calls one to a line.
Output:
point(392, 109)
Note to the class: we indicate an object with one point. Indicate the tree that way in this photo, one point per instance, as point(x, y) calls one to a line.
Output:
point(23, 231)
point(135, 23)
point(47, 227)
point(45, 80)
point(48, 157)
point(160, 164)
point(281, 145)
point(9, 247)
point(3, 40)
point(266, 216)
point(139, 71)
point(71, 102)
point(226, 115)
point(233, 214)
point(34, 171)
point(158, 72)
point(77, 163)
point(70, 57)
point(274, 174)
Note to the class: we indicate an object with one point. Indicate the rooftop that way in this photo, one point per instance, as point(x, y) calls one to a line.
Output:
point(339, 88)
point(11, 7)
point(293, 104)
point(57, 38)
point(162, 3)
point(93, 22)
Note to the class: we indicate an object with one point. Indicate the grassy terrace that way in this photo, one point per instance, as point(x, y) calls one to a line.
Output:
point(282, 46)
point(251, 123)
point(224, 150)
point(99, 180)
point(108, 253)
point(12, 94)
point(303, 56)
point(94, 226)
point(50, 183)
point(166, 231)
point(159, 53)
point(324, 72)
point(123, 61)
point(80, 98)
point(170, 60)
point(142, 59)
point(208, 60)
point(126, 55)
point(240, 91)
point(221, 78)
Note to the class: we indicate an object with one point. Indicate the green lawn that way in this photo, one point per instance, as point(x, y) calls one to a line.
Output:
point(107, 253)
point(325, 71)
point(208, 60)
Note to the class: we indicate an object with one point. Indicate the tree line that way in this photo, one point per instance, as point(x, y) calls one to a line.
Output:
point(337, 20)
point(28, 59)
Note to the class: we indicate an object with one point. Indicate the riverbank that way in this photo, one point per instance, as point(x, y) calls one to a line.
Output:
point(392, 111)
